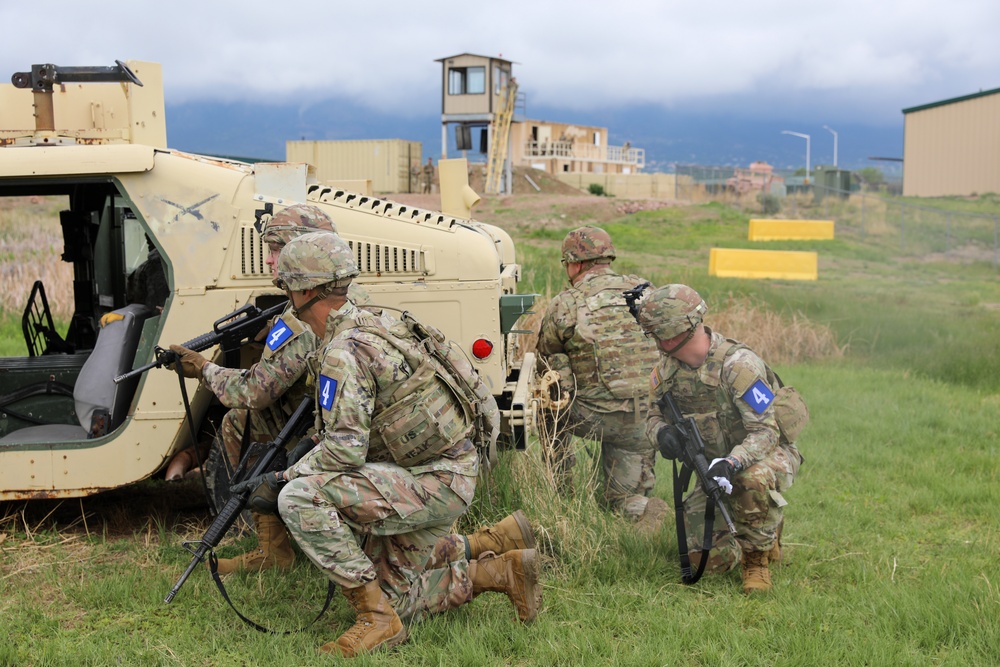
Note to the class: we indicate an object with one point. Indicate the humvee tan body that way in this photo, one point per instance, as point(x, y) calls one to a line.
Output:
point(105, 158)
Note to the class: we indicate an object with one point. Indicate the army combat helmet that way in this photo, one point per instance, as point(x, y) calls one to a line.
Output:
point(587, 243)
point(294, 221)
point(670, 311)
point(316, 259)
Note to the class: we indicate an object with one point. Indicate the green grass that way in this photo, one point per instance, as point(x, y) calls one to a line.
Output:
point(12, 342)
point(11, 337)
point(891, 538)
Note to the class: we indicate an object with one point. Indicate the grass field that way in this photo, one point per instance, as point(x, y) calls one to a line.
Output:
point(891, 540)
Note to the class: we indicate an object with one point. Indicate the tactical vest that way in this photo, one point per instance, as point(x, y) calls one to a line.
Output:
point(609, 353)
point(443, 402)
point(722, 428)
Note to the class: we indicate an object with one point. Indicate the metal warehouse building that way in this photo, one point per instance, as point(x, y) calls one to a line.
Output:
point(952, 147)
point(392, 165)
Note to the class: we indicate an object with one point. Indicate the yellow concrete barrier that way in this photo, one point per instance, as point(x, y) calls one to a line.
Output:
point(791, 230)
point(780, 264)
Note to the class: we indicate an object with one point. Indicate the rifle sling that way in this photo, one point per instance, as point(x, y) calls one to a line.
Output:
point(194, 438)
point(681, 481)
point(213, 565)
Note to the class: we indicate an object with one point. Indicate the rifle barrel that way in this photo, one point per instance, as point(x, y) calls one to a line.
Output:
point(238, 328)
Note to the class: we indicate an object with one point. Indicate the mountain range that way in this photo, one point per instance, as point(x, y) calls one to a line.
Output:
point(669, 137)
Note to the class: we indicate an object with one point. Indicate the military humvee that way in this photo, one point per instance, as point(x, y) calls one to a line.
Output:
point(94, 138)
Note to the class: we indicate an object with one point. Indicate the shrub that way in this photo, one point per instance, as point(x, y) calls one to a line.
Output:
point(769, 203)
point(596, 189)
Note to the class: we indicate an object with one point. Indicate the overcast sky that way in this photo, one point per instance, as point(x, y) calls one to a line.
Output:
point(845, 61)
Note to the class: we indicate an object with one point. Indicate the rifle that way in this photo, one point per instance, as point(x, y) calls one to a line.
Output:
point(693, 454)
point(693, 459)
point(297, 424)
point(230, 331)
point(632, 297)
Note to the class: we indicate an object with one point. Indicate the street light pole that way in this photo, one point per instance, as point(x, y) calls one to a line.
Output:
point(827, 128)
point(807, 138)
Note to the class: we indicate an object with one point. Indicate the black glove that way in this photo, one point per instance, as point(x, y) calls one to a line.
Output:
point(725, 468)
point(271, 481)
point(668, 439)
point(304, 446)
point(264, 491)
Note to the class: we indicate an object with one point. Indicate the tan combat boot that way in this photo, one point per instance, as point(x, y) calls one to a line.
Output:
point(653, 516)
point(376, 627)
point(513, 532)
point(756, 576)
point(274, 548)
point(514, 573)
point(774, 555)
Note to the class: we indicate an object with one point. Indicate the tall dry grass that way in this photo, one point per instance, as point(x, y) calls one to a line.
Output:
point(31, 247)
point(776, 337)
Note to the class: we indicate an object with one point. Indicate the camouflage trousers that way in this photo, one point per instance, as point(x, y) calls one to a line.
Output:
point(756, 506)
point(233, 425)
point(381, 522)
point(627, 457)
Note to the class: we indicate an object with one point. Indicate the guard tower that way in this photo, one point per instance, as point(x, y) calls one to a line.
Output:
point(480, 92)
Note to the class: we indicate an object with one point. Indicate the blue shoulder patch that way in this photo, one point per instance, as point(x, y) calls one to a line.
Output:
point(758, 397)
point(327, 392)
point(278, 334)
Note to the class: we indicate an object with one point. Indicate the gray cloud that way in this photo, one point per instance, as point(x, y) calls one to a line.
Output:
point(850, 60)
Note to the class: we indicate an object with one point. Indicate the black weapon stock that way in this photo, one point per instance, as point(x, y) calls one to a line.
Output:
point(297, 424)
point(693, 454)
point(230, 331)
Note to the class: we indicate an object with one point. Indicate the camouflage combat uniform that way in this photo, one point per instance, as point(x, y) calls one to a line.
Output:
point(270, 390)
point(714, 395)
point(603, 358)
point(356, 514)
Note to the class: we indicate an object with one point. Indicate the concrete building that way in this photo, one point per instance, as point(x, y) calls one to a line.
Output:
point(474, 106)
point(952, 147)
point(560, 148)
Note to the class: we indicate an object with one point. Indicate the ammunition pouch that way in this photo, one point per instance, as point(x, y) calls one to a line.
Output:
point(424, 420)
point(791, 412)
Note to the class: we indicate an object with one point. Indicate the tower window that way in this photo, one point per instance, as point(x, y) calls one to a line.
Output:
point(466, 80)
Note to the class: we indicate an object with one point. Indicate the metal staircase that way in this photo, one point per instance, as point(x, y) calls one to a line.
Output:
point(499, 138)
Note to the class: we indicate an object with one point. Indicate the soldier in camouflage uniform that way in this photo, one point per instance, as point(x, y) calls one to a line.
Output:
point(589, 336)
point(264, 396)
point(370, 523)
point(729, 392)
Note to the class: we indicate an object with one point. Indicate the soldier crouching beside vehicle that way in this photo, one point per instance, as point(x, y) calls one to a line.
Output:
point(386, 479)
point(589, 336)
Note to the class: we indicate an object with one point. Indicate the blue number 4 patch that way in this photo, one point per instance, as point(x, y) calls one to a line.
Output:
point(327, 392)
point(278, 334)
point(758, 397)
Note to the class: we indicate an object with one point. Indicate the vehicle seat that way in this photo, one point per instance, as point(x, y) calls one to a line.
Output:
point(101, 405)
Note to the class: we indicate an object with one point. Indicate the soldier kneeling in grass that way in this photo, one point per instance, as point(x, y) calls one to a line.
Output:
point(747, 420)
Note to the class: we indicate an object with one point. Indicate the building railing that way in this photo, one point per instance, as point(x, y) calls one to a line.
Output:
point(582, 152)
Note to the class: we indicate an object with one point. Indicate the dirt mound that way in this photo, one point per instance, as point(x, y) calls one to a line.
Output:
point(547, 184)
